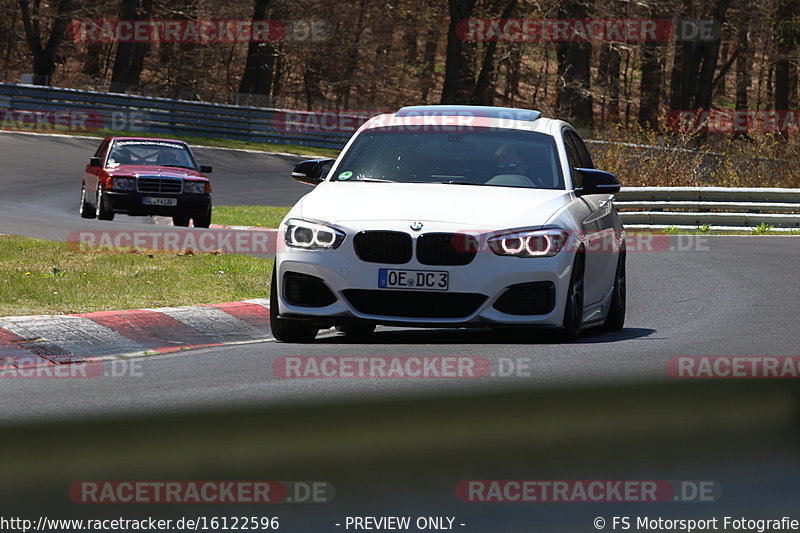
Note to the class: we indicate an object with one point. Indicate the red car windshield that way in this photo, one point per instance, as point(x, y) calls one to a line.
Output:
point(158, 153)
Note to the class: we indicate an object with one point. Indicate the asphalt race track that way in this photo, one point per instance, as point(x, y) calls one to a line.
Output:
point(41, 177)
point(722, 296)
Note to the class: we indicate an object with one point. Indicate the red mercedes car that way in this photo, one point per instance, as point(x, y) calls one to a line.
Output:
point(143, 176)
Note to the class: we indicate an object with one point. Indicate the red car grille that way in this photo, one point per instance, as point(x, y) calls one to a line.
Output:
point(159, 185)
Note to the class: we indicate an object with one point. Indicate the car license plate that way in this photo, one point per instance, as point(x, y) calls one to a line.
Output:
point(150, 200)
point(424, 280)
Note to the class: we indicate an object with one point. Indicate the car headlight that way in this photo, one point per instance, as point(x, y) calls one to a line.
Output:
point(529, 243)
point(194, 187)
point(124, 184)
point(304, 234)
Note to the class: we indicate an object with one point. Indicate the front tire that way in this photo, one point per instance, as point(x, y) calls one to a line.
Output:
point(102, 211)
point(615, 320)
point(573, 311)
point(202, 220)
point(180, 221)
point(287, 329)
point(86, 210)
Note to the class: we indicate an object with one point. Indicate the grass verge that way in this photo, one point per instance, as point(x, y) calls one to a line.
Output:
point(705, 230)
point(249, 215)
point(45, 277)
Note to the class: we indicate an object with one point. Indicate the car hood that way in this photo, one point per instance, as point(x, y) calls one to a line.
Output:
point(153, 170)
point(481, 207)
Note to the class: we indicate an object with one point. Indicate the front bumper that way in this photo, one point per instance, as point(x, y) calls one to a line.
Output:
point(131, 203)
point(474, 288)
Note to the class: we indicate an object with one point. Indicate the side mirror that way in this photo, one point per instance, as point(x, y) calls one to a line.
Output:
point(205, 169)
point(595, 181)
point(312, 171)
point(95, 162)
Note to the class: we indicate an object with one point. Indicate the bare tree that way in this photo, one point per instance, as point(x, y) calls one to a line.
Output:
point(261, 60)
point(459, 71)
point(44, 54)
point(787, 39)
point(574, 100)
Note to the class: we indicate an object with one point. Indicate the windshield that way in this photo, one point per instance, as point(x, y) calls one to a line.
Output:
point(504, 158)
point(160, 153)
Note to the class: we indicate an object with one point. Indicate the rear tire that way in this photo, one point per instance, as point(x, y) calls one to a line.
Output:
point(615, 320)
point(180, 221)
point(102, 211)
point(287, 329)
point(86, 209)
point(573, 311)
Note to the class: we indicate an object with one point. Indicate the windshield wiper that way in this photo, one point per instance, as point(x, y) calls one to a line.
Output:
point(459, 183)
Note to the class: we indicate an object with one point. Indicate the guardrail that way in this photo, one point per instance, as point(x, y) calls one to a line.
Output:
point(718, 207)
point(164, 116)
point(640, 206)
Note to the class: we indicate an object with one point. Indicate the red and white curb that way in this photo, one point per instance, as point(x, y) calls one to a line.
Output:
point(58, 339)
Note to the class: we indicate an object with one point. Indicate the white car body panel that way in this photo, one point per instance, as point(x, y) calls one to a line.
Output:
point(353, 207)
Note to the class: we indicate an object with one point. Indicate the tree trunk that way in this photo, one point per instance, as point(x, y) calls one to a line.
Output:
point(93, 59)
point(140, 50)
point(485, 84)
point(44, 55)
point(683, 68)
point(574, 100)
point(785, 62)
point(261, 56)
point(429, 62)
point(650, 85)
point(705, 86)
point(742, 64)
point(614, 61)
point(120, 77)
point(458, 73)
point(352, 58)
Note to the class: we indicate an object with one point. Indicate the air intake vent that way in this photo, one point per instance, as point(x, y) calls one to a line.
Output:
point(536, 298)
point(414, 304)
point(306, 291)
point(453, 249)
point(391, 247)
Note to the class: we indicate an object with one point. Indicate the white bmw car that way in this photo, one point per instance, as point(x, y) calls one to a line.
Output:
point(452, 216)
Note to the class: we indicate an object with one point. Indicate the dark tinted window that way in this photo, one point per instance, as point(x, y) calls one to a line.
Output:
point(480, 156)
point(573, 157)
point(101, 149)
point(160, 153)
point(583, 152)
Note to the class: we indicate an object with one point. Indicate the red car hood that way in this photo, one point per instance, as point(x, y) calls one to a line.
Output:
point(154, 170)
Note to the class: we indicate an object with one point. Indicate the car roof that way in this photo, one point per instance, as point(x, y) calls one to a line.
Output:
point(466, 116)
point(511, 113)
point(157, 139)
